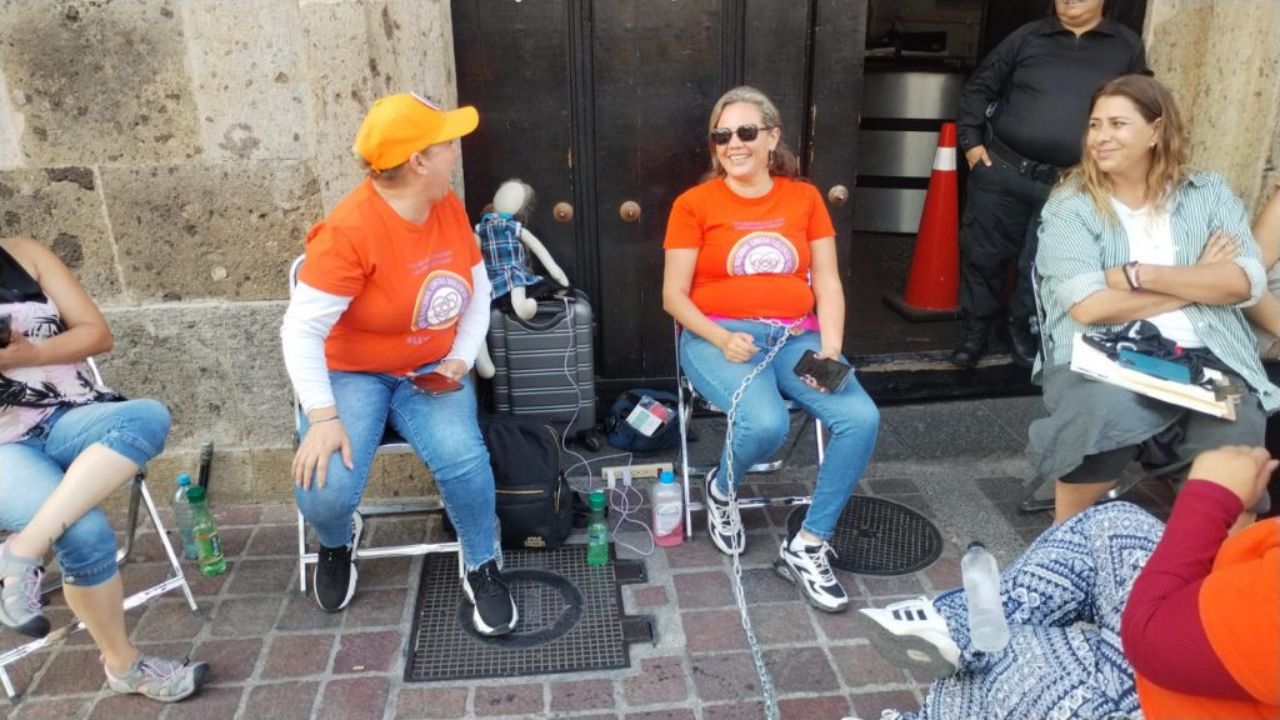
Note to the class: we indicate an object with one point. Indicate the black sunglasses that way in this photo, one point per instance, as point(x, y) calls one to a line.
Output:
point(746, 133)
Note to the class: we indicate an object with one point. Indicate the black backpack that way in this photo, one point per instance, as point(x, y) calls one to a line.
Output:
point(619, 433)
point(534, 501)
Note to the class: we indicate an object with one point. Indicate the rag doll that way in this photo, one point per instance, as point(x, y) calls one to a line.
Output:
point(503, 240)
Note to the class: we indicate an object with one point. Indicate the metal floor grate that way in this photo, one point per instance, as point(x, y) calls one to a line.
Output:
point(879, 537)
point(570, 619)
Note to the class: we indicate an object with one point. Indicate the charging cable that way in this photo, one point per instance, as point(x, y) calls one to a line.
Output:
point(627, 501)
point(620, 499)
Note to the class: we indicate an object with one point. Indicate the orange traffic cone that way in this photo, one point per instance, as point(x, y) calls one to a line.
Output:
point(933, 286)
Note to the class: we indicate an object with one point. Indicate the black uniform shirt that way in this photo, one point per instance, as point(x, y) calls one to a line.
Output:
point(1042, 76)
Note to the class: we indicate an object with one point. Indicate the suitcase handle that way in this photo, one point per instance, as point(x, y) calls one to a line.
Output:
point(561, 307)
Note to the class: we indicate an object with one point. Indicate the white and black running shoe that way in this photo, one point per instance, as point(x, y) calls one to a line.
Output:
point(912, 635)
point(334, 578)
point(807, 566)
point(495, 611)
point(723, 525)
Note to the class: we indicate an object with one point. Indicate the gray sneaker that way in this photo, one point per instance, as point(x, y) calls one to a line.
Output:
point(20, 594)
point(159, 679)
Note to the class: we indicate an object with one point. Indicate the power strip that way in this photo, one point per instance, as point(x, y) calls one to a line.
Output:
point(614, 474)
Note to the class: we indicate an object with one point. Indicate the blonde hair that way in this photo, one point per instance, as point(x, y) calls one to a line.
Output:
point(782, 161)
point(386, 175)
point(1168, 168)
point(391, 174)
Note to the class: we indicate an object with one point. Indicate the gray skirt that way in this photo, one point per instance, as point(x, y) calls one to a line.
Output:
point(1087, 417)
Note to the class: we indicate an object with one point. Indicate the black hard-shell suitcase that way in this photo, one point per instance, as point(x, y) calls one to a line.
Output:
point(545, 366)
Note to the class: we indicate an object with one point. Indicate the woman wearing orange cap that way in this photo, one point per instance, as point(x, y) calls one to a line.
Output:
point(393, 288)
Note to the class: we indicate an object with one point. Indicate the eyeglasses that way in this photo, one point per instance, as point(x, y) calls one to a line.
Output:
point(746, 133)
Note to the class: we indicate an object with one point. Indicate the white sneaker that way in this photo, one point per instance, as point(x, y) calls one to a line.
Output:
point(723, 525)
point(808, 567)
point(912, 635)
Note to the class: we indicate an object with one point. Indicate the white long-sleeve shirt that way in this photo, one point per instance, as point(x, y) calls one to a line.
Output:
point(312, 314)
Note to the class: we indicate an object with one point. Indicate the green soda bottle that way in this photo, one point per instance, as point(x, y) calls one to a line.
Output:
point(206, 533)
point(597, 532)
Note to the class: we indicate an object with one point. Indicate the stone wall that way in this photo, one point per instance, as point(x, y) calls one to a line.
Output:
point(1222, 59)
point(174, 154)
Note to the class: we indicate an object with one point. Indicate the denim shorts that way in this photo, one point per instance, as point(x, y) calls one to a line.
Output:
point(34, 466)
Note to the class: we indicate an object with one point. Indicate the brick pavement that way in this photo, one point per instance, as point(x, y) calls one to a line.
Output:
point(275, 655)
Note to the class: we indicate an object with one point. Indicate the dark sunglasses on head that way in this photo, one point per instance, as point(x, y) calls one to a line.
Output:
point(746, 133)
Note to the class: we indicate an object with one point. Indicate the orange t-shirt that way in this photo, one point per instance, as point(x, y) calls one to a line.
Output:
point(410, 283)
point(1239, 606)
point(753, 253)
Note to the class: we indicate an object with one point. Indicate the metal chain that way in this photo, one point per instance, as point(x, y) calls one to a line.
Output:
point(757, 654)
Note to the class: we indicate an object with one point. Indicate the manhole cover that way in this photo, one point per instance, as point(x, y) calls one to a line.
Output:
point(879, 537)
point(571, 619)
point(549, 607)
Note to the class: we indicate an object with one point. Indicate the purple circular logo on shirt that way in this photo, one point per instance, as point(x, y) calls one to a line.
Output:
point(443, 297)
point(763, 253)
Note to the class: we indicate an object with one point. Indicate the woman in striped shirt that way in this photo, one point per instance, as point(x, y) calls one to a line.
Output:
point(1132, 233)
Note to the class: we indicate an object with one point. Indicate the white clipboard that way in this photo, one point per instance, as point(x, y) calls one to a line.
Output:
point(1093, 363)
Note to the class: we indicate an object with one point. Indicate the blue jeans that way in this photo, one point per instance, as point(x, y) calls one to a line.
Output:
point(33, 467)
point(762, 422)
point(443, 432)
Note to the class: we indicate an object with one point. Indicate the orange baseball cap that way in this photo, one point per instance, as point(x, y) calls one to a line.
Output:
point(398, 126)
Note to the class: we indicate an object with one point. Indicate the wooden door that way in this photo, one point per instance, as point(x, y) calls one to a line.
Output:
point(607, 102)
point(514, 67)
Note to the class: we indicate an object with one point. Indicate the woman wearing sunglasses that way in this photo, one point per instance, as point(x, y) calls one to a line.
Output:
point(751, 264)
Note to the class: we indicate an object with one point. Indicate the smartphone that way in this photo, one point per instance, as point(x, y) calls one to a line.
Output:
point(1154, 366)
point(6, 325)
point(433, 383)
point(827, 373)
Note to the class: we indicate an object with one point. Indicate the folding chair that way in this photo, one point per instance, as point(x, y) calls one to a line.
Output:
point(138, 495)
point(391, 444)
point(1040, 496)
point(684, 413)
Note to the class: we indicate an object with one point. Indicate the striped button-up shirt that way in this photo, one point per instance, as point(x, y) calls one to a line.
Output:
point(1078, 244)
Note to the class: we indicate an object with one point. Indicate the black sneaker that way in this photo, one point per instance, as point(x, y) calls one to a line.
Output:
point(334, 578)
point(723, 525)
point(973, 343)
point(495, 612)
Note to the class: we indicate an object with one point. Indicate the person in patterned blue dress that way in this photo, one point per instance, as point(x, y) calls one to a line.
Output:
point(1063, 599)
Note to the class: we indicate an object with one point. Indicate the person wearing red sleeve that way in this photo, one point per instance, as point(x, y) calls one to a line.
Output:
point(751, 268)
point(1112, 614)
point(1202, 625)
point(392, 287)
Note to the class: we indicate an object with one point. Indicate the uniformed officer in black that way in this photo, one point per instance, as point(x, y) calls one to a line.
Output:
point(1022, 120)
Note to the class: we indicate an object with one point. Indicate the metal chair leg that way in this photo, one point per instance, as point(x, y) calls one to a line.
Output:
point(1039, 498)
point(302, 554)
point(370, 553)
point(178, 579)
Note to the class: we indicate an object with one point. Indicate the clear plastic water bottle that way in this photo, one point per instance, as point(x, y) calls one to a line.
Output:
point(205, 530)
point(597, 532)
point(182, 517)
point(988, 630)
point(667, 501)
